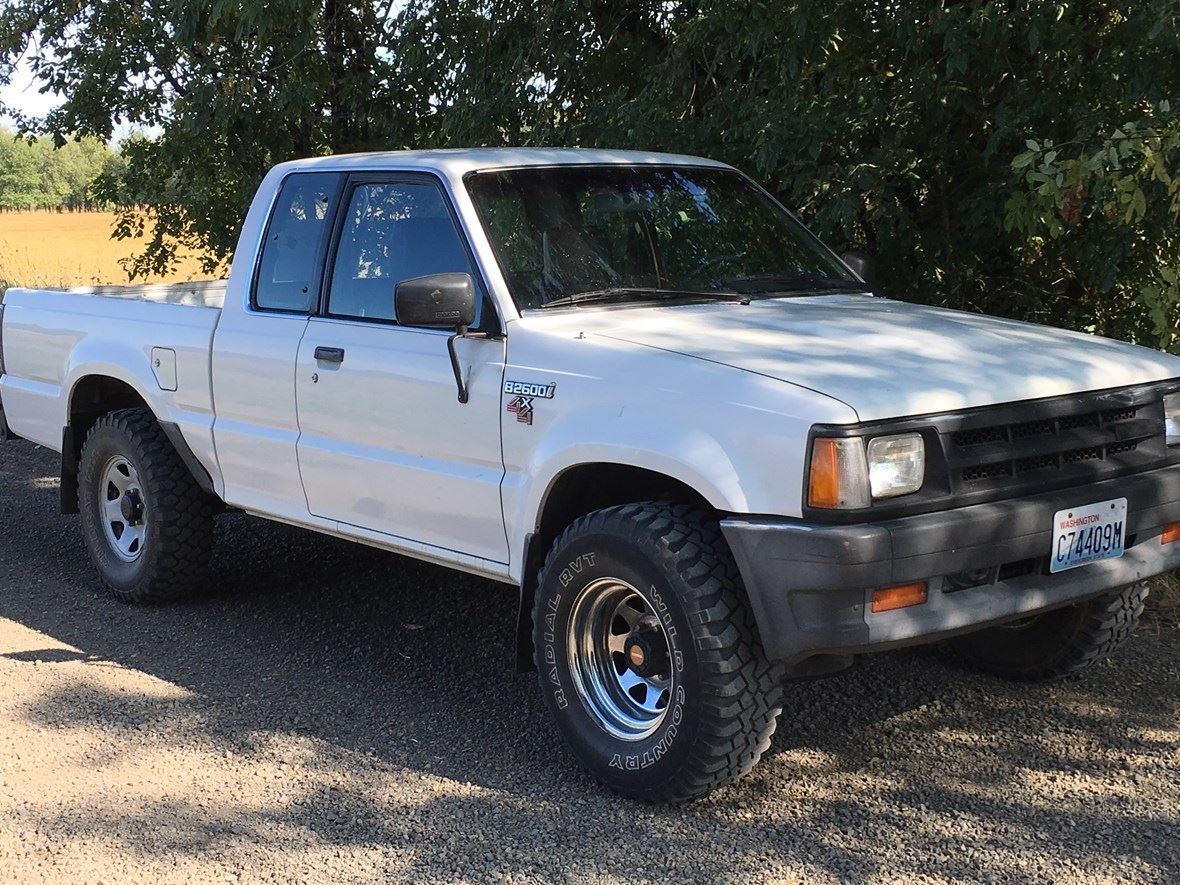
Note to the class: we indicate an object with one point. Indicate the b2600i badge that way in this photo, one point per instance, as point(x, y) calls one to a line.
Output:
point(524, 392)
point(528, 388)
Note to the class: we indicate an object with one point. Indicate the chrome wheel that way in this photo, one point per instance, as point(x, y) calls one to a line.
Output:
point(122, 510)
point(620, 659)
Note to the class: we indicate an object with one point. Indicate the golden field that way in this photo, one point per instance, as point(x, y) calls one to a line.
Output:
point(64, 249)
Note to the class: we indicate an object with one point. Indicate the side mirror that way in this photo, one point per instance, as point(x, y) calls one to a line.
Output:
point(862, 265)
point(436, 301)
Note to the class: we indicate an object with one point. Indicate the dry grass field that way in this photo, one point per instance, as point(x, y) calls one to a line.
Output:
point(67, 249)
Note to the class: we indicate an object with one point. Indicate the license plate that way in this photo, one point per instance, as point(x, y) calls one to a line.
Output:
point(1086, 534)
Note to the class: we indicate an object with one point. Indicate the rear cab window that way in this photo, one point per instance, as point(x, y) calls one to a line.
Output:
point(291, 262)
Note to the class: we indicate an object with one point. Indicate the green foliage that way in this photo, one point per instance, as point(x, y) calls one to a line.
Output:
point(906, 128)
point(20, 183)
point(1107, 210)
point(36, 175)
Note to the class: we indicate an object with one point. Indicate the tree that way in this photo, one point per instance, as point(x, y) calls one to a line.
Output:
point(20, 181)
point(902, 127)
point(36, 175)
point(1104, 208)
point(231, 88)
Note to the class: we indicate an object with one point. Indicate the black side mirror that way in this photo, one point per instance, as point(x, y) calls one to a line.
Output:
point(862, 265)
point(436, 301)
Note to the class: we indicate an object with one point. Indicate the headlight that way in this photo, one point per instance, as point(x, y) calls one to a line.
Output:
point(1172, 419)
point(897, 465)
point(845, 474)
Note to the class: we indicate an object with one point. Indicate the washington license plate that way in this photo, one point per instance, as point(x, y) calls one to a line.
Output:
point(1082, 535)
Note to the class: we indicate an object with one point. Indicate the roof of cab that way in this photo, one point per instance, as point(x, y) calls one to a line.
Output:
point(458, 162)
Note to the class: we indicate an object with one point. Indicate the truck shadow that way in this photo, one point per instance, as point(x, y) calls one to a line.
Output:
point(399, 673)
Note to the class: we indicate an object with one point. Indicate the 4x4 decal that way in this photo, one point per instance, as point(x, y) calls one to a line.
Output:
point(523, 407)
point(524, 392)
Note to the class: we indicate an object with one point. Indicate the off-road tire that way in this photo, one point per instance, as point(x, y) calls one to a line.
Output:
point(178, 515)
point(726, 696)
point(1056, 644)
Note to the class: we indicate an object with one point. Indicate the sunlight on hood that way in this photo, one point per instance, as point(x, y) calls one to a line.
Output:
point(890, 359)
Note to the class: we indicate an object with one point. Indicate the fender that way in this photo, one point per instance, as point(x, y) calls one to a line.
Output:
point(120, 362)
point(72, 437)
point(709, 471)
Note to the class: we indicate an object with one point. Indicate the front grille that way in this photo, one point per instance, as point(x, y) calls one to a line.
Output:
point(1027, 447)
point(1076, 440)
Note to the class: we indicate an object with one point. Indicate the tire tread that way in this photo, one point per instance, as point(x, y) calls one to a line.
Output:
point(744, 690)
point(182, 527)
point(1103, 624)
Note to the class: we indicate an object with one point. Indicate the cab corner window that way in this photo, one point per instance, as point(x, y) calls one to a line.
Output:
point(393, 231)
point(289, 268)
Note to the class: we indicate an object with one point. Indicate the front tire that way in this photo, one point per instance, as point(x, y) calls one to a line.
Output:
point(148, 526)
point(1055, 644)
point(648, 654)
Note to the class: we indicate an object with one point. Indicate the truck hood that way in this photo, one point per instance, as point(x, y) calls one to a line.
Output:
point(887, 359)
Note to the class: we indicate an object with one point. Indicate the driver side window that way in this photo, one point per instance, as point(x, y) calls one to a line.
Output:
point(393, 231)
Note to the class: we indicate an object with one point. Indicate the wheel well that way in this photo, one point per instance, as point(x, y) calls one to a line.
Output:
point(94, 396)
point(589, 487)
point(576, 492)
point(91, 398)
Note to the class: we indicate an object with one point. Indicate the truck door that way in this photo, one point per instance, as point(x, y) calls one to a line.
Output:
point(255, 429)
point(384, 443)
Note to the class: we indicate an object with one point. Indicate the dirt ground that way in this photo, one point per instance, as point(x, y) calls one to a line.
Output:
point(331, 713)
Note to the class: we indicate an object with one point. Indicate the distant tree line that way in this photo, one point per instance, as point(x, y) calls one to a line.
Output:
point(1018, 157)
point(36, 175)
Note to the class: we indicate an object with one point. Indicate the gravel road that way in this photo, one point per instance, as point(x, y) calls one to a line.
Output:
point(333, 713)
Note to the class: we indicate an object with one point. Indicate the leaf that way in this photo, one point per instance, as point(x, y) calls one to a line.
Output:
point(1139, 203)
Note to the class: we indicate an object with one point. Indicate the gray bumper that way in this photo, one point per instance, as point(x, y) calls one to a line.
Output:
point(809, 584)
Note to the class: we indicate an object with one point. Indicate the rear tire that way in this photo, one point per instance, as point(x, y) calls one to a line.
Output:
point(1057, 643)
point(648, 654)
point(148, 526)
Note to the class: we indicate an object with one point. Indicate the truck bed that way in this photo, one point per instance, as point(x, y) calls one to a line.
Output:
point(155, 338)
point(199, 293)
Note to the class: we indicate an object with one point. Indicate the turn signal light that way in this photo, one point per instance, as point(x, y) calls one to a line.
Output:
point(825, 484)
point(886, 599)
point(1170, 533)
point(839, 474)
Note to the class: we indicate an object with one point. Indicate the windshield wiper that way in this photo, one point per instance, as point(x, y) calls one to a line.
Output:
point(795, 282)
point(622, 293)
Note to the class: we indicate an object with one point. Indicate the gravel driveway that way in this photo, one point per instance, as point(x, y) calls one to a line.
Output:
point(333, 713)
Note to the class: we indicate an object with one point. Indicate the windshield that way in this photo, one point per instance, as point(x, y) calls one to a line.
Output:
point(566, 234)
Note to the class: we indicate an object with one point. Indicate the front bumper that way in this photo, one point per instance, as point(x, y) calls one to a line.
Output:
point(810, 583)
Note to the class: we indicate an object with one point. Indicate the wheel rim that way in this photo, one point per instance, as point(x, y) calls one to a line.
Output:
point(620, 659)
point(122, 508)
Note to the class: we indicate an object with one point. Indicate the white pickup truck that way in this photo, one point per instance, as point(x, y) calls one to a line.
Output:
point(634, 386)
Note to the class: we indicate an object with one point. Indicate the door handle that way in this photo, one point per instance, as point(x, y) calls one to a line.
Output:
point(330, 354)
